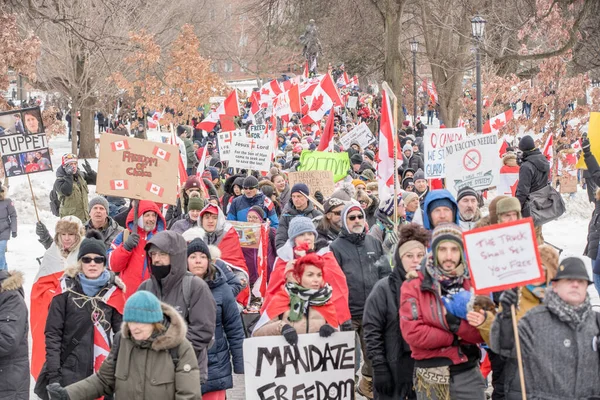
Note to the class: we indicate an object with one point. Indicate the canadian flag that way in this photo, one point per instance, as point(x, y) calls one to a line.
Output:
point(385, 166)
point(324, 98)
point(429, 87)
point(508, 180)
point(461, 122)
point(287, 102)
point(354, 81)
point(268, 92)
point(259, 289)
point(343, 80)
point(577, 145)
point(155, 189)
point(119, 145)
point(228, 109)
point(119, 184)
point(327, 132)
point(160, 153)
point(548, 149)
point(494, 124)
point(305, 72)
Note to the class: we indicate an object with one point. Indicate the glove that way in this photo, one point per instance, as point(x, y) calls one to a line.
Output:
point(290, 334)
point(69, 169)
point(319, 197)
point(390, 240)
point(57, 392)
point(346, 326)
point(453, 322)
point(457, 304)
point(585, 144)
point(326, 330)
point(508, 298)
point(87, 167)
point(131, 242)
point(383, 380)
point(14, 234)
point(41, 231)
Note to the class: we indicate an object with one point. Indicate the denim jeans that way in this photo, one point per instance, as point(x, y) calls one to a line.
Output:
point(3, 254)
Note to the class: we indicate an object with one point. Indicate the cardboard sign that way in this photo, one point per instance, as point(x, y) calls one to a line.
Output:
point(251, 153)
point(257, 131)
point(361, 135)
point(503, 256)
point(435, 142)
point(225, 139)
point(248, 233)
point(352, 102)
point(137, 169)
point(315, 180)
point(594, 137)
point(338, 163)
point(317, 368)
point(568, 172)
point(472, 162)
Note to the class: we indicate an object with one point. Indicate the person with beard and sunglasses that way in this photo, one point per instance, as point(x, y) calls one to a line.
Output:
point(357, 254)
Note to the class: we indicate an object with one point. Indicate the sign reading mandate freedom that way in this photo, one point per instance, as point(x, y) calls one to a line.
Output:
point(317, 368)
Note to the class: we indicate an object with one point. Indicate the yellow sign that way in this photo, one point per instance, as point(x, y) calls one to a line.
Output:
point(594, 136)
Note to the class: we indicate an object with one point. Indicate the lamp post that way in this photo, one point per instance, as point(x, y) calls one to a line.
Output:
point(414, 47)
point(477, 29)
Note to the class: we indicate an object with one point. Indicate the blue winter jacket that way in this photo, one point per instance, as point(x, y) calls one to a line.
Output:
point(238, 211)
point(229, 338)
point(435, 195)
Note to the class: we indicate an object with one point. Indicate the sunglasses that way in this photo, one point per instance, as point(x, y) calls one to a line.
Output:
point(356, 216)
point(96, 260)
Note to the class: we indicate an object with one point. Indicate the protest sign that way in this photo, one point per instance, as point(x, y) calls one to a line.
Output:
point(435, 142)
point(594, 137)
point(248, 232)
point(257, 131)
point(567, 171)
point(338, 163)
point(137, 169)
point(251, 153)
point(472, 162)
point(315, 180)
point(224, 140)
point(503, 256)
point(361, 135)
point(317, 368)
point(352, 102)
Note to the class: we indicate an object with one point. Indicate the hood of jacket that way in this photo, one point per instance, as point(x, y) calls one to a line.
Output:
point(174, 334)
point(218, 279)
point(173, 244)
point(354, 238)
point(143, 207)
point(12, 280)
point(539, 161)
point(436, 195)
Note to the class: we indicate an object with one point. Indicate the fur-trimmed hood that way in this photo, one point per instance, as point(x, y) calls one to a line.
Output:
point(11, 280)
point(174, 335)
point(69, 224)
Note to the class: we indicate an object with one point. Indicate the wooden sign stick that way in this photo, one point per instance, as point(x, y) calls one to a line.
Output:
point(518, 346)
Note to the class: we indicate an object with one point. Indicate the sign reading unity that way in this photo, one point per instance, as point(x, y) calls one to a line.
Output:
point(251, 153)
point(472, 162)
point(317, 368)
point(338, 163)
point(435, 141)
point(361, 135)
point(137, 169)
point(503, 256)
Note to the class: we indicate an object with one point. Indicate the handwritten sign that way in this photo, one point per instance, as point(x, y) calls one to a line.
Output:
point(318, 368)
point(251, 153)
point(225, 139)
point(315, 180)
point(137, 169)
point(361, 135)
point(257, 131)
point(338, 163)
point(352, 102)
point(503, 256)
point(435, 141)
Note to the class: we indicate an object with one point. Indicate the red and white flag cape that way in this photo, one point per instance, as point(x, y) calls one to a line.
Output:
point(385, 166)
point(494, 124)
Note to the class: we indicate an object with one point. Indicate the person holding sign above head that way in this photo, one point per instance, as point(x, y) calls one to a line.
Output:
point(564, 330)
point(71, 186)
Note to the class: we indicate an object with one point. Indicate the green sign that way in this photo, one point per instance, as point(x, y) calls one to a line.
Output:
point(338, 163)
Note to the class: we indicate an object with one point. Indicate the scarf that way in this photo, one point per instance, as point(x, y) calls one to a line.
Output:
point(538, 291)
point(91, 287)
point(301, 298)
point(572, 315)
point(448, 284)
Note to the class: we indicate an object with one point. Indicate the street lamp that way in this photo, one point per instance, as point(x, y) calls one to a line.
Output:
point(478, 29)
point(414, 47)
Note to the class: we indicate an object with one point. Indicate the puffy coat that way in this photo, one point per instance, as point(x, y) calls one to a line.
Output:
point(381, 325)
point(14, 329)
point(201, 315)
point(8, 217)
point(70, 310)
point(436, 195)
point(238, 211)
point(229, 337)
point(183, 224)
point(137, 372)
point(424, 327)
point(132, 265)
point(190, 153)
point(289, 213)
point(533, 176)
point(109, 231)
point(72, 191)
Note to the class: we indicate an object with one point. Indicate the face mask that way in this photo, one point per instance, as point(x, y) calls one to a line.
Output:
point(160, 271)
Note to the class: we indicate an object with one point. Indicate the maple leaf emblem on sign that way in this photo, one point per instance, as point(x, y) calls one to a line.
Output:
point(317, 103)
point(119, 144)
point(161, 152)
point(498, 123)
point(119, 184)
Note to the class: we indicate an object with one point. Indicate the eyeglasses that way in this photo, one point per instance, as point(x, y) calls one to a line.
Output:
point(356, 216)
point(363, 202)
point(96, 260)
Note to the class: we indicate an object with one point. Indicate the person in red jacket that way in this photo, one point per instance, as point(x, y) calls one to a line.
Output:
point(433, 308)
point(126, 254)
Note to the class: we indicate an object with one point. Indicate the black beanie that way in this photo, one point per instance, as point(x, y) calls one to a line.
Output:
point(92, 244)
point(356, 159)
point(526, 143)
point(198, 245)
point(250, 182)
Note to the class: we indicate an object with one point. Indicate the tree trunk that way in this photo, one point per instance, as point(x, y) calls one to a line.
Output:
point(74, 123)
point(394, 68)
point(87, 146)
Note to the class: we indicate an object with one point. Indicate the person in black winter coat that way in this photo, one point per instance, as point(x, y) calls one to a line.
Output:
point(593, 238)
point(299, 205)
point(8, 224)
point(387, 350)
point(533, 174)
point(14, 329)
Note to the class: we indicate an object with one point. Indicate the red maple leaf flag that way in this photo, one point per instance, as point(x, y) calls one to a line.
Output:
point(497, 122)
point(119, 145)
point(317, 103)
point(385, 166)
point(327, 132)
point(155, 189)
point(119, 184)
point(160, 153)
point(324, 97)
point(227, 110)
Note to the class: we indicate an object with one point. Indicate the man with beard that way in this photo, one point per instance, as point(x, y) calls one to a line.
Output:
point(329, 224)
point(357, 255)
point(468, 208)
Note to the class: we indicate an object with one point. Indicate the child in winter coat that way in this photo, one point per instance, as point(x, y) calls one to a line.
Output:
point(8, 224)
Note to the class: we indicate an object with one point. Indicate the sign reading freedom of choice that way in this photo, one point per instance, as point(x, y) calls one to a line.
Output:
point(338, 163)
point(317, 368)
point(137, 169)
point(435, 141)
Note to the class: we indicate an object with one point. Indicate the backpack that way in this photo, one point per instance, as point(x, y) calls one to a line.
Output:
point(186, 286)
point(54, 203)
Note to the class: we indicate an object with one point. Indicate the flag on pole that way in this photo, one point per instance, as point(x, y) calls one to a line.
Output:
point(494, 124)
point(548, 149)
point(259, 289)
point(325, 96)
point(305, 73)
point(385, 165)
point(327, 132)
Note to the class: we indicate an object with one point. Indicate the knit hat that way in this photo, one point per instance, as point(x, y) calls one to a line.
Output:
point(143, 307)
point(98, 200)
point(357, 182)
point(300, 188)
point(370, 155)
point(526, 143)
point(446, 232)
point(466, 191)
point(332, 203)
point(508, 204)
point(300, 225)
point(367, 175)
point(442, 202)
point(406, 182)
point(356, 159)
point(250, 182)
point(572, 268)
point(344, 192)
point(192, 182)
point(195, 203)
point(198, 245)
point(210, 173)
point(258, 210)
point(418, 175)
point(387, 207)
point(407, 147)
point(409, 196)
point(69, 158)
point(92, 244)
